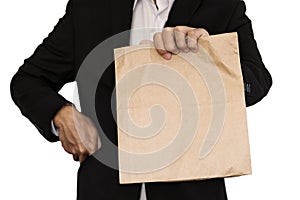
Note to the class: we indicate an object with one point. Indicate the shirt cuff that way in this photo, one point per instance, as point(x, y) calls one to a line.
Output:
point(54, 130)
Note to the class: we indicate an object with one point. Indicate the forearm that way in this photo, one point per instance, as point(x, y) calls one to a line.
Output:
point(37, 101)
point(256, 77)
point(35, 86)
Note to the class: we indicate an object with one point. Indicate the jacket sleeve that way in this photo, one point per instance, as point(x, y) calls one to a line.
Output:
point(35, 86)
point(257, 80)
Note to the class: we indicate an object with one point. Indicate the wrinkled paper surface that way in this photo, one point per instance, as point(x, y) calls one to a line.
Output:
point(182, 119)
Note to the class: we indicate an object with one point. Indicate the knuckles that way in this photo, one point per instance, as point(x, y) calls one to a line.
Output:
point(192, 35)
point(82, 151)
point(180, 28)
point(168, 29)
point(157, 34)
point(181, 43)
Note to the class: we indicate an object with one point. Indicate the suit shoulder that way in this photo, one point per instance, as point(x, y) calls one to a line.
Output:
point(224, 8)
point(90, 3)
point(223, 4)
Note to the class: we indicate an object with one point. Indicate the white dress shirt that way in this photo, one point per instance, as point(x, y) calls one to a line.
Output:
point(147, 19)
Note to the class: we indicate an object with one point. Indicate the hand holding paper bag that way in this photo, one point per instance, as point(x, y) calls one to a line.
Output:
point(184, 118)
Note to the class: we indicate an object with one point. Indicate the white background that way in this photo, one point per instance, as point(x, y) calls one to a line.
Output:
point(32, 168)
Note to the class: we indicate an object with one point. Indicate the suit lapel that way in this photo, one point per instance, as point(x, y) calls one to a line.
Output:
point(181, 12)
point(121, 15)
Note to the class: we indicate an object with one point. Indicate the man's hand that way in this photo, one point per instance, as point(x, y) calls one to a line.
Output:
point(77, 133)
point(180, 38)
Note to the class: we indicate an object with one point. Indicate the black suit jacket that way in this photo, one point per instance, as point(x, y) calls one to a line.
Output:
point(87, 23)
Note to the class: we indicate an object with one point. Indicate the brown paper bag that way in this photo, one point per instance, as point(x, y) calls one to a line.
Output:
point(182, 119)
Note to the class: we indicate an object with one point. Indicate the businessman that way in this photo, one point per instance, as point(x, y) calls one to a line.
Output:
point(86, 24)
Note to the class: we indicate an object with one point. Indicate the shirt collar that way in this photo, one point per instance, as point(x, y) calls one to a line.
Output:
point(135, 2)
